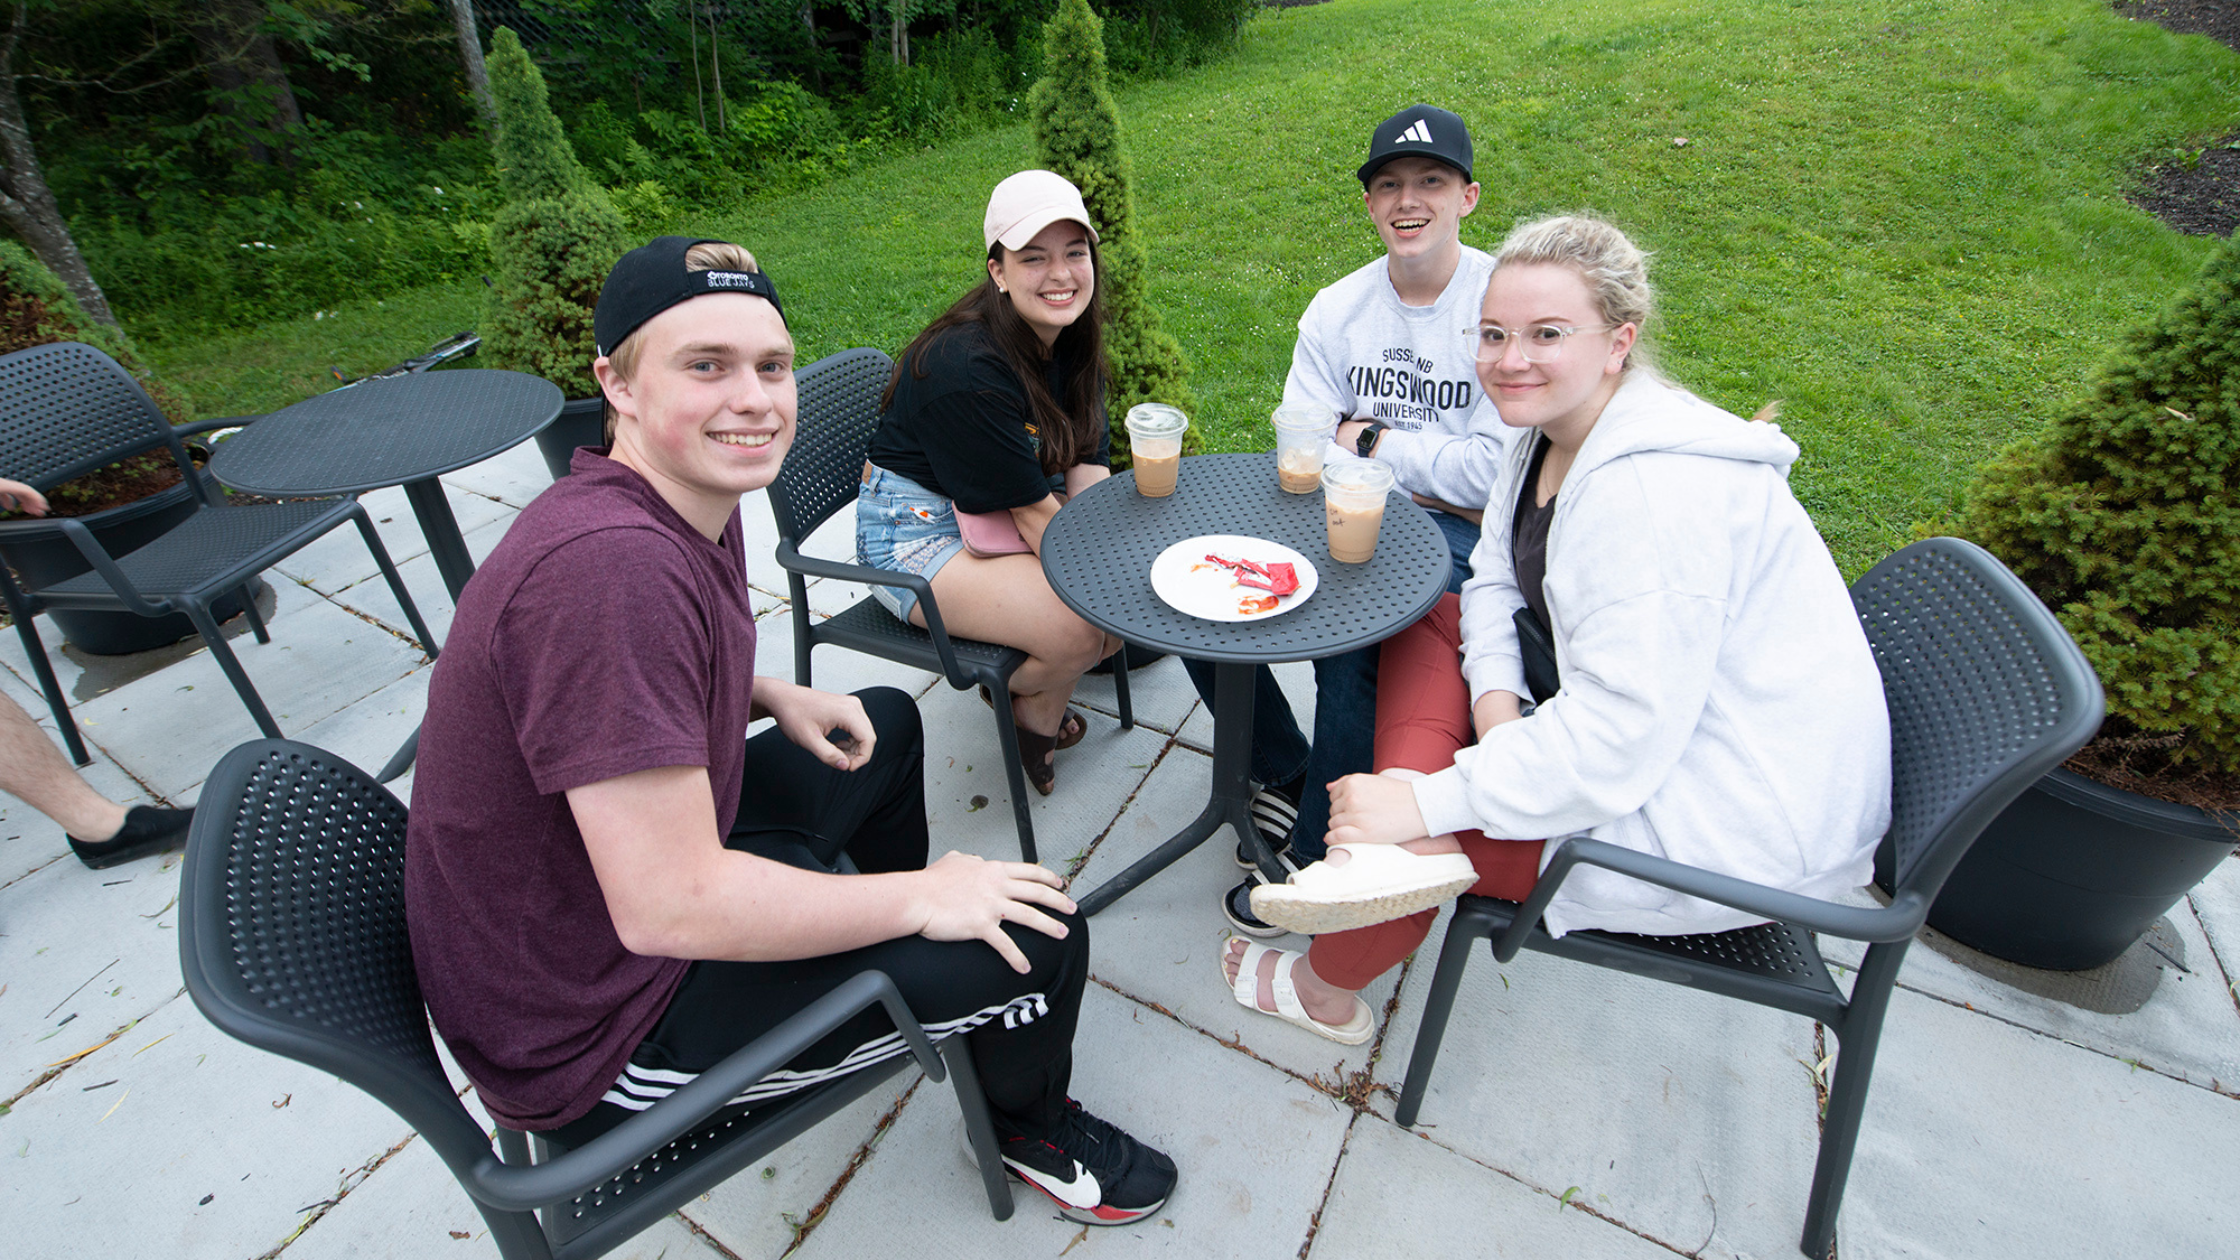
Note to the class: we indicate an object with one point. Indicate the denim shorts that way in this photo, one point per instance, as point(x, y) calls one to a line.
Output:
point(903, 526)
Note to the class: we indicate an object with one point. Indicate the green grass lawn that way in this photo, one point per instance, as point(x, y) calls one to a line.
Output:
point(1904, 219)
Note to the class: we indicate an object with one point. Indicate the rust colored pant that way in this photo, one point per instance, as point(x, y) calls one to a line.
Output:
point(1423, 719)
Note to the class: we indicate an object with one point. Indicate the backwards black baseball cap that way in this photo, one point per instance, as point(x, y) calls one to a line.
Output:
point(652, 278)
point(1419, 131)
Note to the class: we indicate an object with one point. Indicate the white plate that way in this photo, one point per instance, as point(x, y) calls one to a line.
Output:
point(1189, 583)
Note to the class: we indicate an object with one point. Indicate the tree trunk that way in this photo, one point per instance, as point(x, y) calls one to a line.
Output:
point(715, 55)
point(470, 55)
point(237, 54)
point(899, 41)
point(699, 96)
point(25, 200)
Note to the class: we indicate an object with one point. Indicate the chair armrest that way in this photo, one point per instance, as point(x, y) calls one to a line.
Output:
point(790, 559)
point(103, 564)
point(516, 1189)
point(1894, 922)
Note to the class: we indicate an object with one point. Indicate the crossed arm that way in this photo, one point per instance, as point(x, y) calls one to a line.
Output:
point(674, 891)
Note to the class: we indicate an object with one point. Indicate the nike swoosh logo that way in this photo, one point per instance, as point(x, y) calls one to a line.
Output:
point(1080, 1191)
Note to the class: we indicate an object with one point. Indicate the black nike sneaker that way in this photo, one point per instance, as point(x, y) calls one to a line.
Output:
point(1092, 1172)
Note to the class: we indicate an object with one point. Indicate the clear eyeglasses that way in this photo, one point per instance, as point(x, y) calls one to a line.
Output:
point(1539, 343)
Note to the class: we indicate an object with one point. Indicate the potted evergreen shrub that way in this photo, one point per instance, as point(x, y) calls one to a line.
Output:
point(126, 505)
point(551, 247)
point(2124, 519)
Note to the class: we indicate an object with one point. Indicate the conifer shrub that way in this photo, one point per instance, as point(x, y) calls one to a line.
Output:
point(555, 240)
point(1077, 131)
point(2123, 518)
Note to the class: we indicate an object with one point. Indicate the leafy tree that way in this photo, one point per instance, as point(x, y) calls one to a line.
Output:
point(37, 309)
point(554, 241)
point(2123, 517)
point(1077, 130)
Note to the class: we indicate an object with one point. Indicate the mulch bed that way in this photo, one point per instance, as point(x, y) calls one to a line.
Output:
point(2199, 196)
point(2142, 765)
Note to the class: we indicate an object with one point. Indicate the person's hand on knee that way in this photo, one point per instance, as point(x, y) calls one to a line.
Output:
point(966, 898)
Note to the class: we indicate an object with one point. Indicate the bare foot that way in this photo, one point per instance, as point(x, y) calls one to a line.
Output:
point(1324, 1001)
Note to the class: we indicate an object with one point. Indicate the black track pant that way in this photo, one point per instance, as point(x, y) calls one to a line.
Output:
point(797, 810)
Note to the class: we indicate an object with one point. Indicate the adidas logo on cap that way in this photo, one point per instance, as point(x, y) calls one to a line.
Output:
point(1409, 134)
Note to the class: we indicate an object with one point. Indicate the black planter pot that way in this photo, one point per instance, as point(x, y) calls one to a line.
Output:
point(2074, 871)
point(43, 560)
point(582, 422)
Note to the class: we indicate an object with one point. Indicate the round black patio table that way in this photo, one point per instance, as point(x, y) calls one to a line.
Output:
point(1097, 554)
point(402, 430)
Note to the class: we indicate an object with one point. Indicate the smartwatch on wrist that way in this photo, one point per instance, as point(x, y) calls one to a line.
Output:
point(1366, 443)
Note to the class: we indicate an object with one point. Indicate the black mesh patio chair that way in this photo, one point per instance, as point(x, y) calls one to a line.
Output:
point(1986, 693)
point(67, 409)
point(839, 409)
point(292, 938)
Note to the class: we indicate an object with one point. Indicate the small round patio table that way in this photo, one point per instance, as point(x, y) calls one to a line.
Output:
point(402, 430)
point(1097, 554)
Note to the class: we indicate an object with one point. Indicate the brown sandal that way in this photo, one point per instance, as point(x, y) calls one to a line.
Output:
point(1035, 758)
point(1071, 728)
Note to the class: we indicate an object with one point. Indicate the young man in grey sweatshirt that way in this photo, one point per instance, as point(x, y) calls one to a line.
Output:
point(1384, 353)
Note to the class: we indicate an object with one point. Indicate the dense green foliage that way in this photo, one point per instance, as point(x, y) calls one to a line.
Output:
point(378, 190)
point(554, 241)
point(2123, 517)
point(1077, 130)
point(1906, 220)
point(204, 202)
point(36, 309)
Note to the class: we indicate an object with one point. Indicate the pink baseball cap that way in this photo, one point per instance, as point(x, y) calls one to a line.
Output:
point(1028, 202)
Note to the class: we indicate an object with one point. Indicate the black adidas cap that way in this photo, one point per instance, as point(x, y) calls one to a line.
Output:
point(652, 278)
point(1419, 131)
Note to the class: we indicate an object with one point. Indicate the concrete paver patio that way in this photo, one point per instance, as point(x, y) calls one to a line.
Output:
point(1575, 1112)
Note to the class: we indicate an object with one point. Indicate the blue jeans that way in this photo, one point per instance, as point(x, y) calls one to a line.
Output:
point(1345, 715)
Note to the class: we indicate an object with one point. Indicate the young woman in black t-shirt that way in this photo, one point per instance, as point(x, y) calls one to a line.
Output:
point(998, 408)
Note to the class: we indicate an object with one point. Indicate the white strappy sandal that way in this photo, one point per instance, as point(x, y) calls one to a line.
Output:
point(1246, 989)
point(1377, 884)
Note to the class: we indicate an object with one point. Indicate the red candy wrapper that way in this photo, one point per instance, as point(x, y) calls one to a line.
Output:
point(1277, 579)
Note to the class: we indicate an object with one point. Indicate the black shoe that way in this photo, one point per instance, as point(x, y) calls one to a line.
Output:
point(1273, 816)
point(1091, 1171)
point(1236, 906)
point(146, 830)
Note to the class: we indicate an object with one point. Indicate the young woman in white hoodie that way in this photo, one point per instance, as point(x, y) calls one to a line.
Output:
point(1718, 704)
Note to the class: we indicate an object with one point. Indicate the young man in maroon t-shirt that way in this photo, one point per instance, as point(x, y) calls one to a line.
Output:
point(610, 888)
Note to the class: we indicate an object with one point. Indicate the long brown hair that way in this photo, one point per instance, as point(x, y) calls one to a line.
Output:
point(1070, 427)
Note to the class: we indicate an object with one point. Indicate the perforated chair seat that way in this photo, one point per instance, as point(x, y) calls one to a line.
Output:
point(1986, 693)
point(293, 938)
point(206, 549)
point(1775, 964)
point(839, 411)
point(67, 409)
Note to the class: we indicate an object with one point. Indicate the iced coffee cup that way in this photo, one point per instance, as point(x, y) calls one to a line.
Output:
point(1302, 431)
point(1155, 437)
point(1353, 496)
